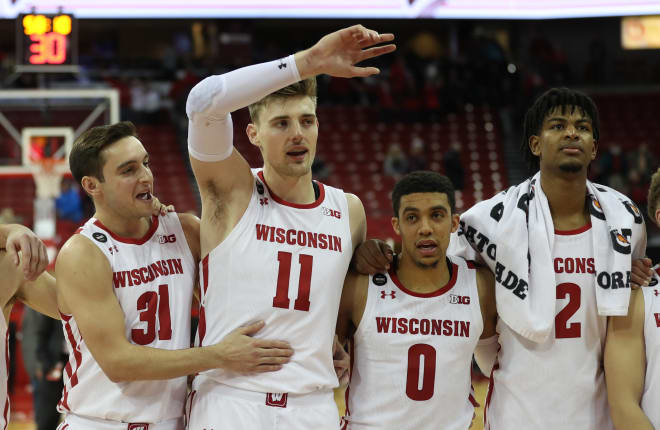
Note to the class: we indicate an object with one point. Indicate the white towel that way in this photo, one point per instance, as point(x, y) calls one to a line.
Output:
point(513, 233)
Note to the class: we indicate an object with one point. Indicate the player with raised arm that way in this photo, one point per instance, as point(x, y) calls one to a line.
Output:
point(632, 349)
point(414, 329)
point(124, 285)
point(277, 245)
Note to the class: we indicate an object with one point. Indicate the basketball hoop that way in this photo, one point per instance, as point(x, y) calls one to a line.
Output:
point(48, 177)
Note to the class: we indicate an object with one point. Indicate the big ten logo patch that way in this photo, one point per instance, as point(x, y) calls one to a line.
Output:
point(166, 238)
point(277, 400)
point(331, 212)
point(459, 300)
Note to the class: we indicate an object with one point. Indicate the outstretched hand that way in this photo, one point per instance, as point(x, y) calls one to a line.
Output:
point(33, 256)
point(337, 54)
point(242, 353)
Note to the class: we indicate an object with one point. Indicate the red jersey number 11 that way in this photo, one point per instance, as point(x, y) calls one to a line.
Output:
point(281, 299)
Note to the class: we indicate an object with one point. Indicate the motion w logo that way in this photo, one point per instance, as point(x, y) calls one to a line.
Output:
point(277, 400)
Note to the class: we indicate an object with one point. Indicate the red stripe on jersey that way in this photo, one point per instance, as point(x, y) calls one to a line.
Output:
point(140, 241)
point(351, 348)
point(6, 411)
point(490, 388)
point(79, 230)
point(470, 264)
point(436, 293)
point(76, 353)
point(471, 397)
point(283, 202)
point(201, 325)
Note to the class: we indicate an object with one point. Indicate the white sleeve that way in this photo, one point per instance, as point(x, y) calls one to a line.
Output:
point(485, 354)
point(210, 128)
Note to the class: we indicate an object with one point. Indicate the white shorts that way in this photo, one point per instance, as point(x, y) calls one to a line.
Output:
point(76, 422)
point(214, 406)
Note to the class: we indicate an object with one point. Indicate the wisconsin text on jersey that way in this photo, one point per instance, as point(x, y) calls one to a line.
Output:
point(144, 275)
point(423, 326)
point(291, 236)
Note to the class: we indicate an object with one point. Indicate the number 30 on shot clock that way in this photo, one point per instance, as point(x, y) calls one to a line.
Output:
point(46, 40)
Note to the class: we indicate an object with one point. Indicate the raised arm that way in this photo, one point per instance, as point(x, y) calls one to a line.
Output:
point(625, 366)
point(219, 169)
point(84, 286)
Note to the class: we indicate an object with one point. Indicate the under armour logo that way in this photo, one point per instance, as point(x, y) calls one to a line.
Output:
point(113, 249)
point(276, 399)
point(383, 294)
point(656, 292)
point(282, 65)
point(263, 201)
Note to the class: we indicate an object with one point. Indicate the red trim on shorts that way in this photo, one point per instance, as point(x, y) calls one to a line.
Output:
point(575, 231)
point(448, 286)
point(294, 205)
point(142, 240)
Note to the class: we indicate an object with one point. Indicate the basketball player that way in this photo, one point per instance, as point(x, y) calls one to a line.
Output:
point(632, 369)
point(22, 261)
point(557, 382)
point(277, 244)
point(414, 329)
point(124, 286)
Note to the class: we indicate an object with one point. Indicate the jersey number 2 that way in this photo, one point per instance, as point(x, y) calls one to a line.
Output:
point(563, 330)
point(415, 354)
point(153, 306)
point(281, 299)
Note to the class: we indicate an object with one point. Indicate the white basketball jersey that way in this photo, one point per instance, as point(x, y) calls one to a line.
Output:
point(412, 355)
point(651, 396)
point(153, 280)
point(284, 264)
point(4, 374)
point(557, 384)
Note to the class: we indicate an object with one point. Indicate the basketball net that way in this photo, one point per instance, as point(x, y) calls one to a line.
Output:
point(47, 179)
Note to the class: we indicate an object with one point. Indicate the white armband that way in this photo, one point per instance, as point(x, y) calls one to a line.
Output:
point(210, 131)
point(485, 354)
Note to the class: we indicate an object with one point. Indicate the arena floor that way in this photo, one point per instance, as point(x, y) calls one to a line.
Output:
point(479, 386)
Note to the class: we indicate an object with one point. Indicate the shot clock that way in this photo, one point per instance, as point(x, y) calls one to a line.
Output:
point(46, 43)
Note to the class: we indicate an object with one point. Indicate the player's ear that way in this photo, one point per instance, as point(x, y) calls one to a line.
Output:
point(657, 216)
point(252, 132)
point(91, 186)
point(395, 225)
point(535, 145)
point(455, 218)
point(594, 150)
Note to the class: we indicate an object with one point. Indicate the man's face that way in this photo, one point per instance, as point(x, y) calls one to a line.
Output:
point(565, 142)
point(425, 223)
point(286, 135)
point(128, 184)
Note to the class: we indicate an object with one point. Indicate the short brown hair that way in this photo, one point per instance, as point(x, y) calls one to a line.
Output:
point(85, 158)
point(654, 195)
point(305, 87)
